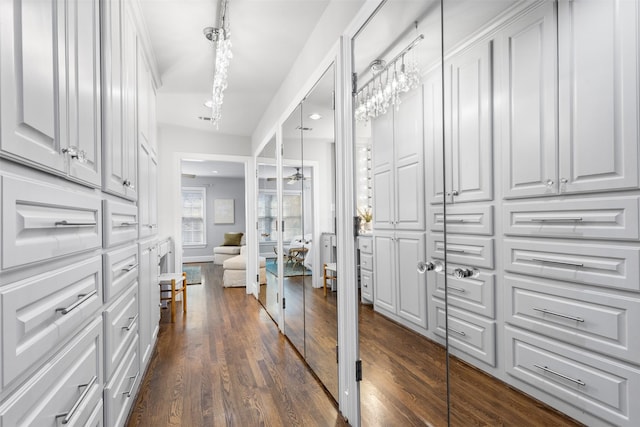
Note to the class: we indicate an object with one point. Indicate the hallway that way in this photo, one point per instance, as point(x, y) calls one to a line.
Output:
point(227, 364)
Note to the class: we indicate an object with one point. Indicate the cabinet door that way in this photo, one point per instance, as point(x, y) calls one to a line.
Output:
point(472, 123)
point(143, 185)
point(434, 138)
point(83, 51)
point(408, 132)
point(412, 292)
point(145, 313)
point(32, 102)
point(153, 194)
point(129, 81)
point(154, 293)
point(598, 90)
point(385, 282)
point(529, 110)
point(383, 183)
point(143, 99)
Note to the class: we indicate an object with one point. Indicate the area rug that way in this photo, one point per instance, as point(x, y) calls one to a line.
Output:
point(289, 269)
point(194, 274)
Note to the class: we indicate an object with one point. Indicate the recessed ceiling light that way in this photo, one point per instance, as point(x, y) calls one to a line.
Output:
point(315, 116)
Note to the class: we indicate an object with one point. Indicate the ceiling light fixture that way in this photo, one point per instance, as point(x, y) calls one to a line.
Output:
point(220, 39)
point(315, 116)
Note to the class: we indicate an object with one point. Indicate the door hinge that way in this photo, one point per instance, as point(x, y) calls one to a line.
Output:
point(356, 225)
point(284, 303)
point(337, 355)
point(258, 278)
point(256, 225)
point(358, 370)
point(283, 225)
point(354, 84)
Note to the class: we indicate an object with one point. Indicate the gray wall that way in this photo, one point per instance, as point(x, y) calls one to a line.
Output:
point(218, 188)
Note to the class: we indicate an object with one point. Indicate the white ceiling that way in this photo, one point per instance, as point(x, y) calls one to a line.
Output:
point(210, 168)
point(267, 37)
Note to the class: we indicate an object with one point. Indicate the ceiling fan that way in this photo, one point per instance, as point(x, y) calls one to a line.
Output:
point(292, 179)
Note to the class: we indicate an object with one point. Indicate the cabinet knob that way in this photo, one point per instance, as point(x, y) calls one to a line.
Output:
point(127, 183)
point(75, 154)
point(564, 180)
point(423, 266)
point(549, 183)
point(461, 273)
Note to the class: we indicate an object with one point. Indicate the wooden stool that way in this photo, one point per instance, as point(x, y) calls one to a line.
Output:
point(332, 275)
point(172, 279)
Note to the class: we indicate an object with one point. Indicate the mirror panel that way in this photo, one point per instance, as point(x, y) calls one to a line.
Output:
point(318, 158)
point(267, 228)
point(397, 56)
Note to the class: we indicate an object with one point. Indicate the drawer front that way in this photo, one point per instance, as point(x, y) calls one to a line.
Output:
point(120, 223)
point(120, 392)
point(366, 262)
point(41, 312)
point(587, 318)
point(120, 326)
point(120, 270)
point(472, 335)
point(593, 264)
point(465, 250)
point(592, 383)
point(475, 294)
point(366, 284)
point(365, 244)
point(611, 218)
point(42, 222)
point(463, 219)
point(60, 385)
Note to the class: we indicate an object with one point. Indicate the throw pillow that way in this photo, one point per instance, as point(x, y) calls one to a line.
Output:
point(232, 239)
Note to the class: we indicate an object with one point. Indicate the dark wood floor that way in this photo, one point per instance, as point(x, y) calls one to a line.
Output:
point(227, 364)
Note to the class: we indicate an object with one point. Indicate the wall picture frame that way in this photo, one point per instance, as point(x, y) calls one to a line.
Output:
point(223, 211)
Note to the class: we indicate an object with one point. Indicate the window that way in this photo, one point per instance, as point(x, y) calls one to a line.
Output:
point(194, 230)
point(268, 216)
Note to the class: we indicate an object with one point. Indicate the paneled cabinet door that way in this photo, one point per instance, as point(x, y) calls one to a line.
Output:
point(384, 271)
point(153, 194)
point(50, 85)
point(383, 182)
point(145, 314)
point(154, 293)
point(527, 56)
point(469, 122)
point(412, 292)
point(433, 137)
point(143, 185)
point(599, 55)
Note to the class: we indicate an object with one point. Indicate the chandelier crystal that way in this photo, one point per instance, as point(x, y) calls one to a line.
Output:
point(223, 57)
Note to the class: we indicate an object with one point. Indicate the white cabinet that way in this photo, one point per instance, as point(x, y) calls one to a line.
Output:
point(400, 291)
point(468, 125)
point(398, 166)
point(120, 328)
point(147, 200)
point(587, 140)
point(119, 93)
point(120, 270)
point(50, 85)
point(149, 299)
point(120, 223)
point(365, 247)
point(120, 392)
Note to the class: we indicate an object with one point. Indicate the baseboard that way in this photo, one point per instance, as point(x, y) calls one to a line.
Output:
point(202, 258)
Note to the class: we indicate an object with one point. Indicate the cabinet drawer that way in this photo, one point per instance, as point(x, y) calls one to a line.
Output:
point(120, 326)
point(60, 385)
point(610, 218)
point(587, 318)
point(476, 219)
point(593, 264)
point(465, 250)
point(365, 244)
point(592, 383)
point(472, 335)
point(120, 270)
point(41, 312)
point(119, 393)
point(475, 294)
point(366, 284)
point(366, 262)
point(42, 222)
point(120, 223)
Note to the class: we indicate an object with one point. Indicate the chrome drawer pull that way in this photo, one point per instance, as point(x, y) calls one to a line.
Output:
point(455, 221)
point(551, 371)
point(553, 313)
point(127, 224)
point(458, 332)
point(550, 261)
point(453, 288)
point(559, 220)
point(134, 378)
point(68, 415)
point(131, 323)
point(457, 251)
point(130, 267)
point(66, 223)
point(83, 298)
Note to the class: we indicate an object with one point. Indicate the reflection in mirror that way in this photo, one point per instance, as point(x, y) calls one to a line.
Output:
point(541, 139)
point(267, 231)
point(318, 156)
point(294, 245)
point(397, 57)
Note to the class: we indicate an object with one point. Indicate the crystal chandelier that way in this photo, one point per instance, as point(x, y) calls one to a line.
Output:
point(220, 38)
point(389, 80)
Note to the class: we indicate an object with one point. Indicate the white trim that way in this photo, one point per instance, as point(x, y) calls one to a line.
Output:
point(202, 258)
